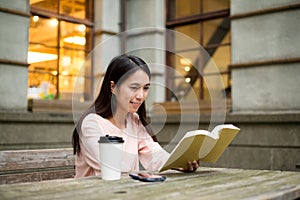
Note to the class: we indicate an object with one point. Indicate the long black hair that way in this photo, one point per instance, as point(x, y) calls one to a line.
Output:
point(119, 69)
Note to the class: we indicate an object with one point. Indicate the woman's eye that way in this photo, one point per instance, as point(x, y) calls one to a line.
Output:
point(133, 88)
point(136, 88)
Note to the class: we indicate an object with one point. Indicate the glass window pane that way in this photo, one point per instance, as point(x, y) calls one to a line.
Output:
point(42, 60)
point(185, 76)
point(215, 32)
point(71, 61)
point(73, 8)
point(214, 5)
point(42, 76)
point(75, 75)
point(66, 87)
point(214, 35)
point(221, 58)
point(41, 85)
point(43, 31)
point(191, 31)
point(73, 35)
point(70, 46)
point(184, 8)
point(49, 5)
point(66, 83)
point(42, 57)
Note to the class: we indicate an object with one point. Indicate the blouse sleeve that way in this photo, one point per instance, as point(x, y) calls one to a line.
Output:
point(91, 131)
point(152, 155)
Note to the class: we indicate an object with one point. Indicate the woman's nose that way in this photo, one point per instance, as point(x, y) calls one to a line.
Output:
point(139, 94)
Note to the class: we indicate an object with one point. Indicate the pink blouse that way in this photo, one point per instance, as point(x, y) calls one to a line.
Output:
point(137, 146)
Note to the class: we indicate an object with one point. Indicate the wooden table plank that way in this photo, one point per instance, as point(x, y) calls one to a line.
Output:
point(206, 183)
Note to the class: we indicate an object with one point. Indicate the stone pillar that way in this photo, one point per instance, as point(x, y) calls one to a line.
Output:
point(146, 38)
point(265, 55)
point(14, 22)
point(107, 43)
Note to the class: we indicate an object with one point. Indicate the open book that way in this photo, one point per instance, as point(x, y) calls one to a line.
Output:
point(201, 144)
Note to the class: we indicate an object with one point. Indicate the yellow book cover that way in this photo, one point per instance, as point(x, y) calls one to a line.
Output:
point(201, 144)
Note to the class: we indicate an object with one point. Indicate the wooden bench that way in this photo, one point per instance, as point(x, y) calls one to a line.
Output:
point(18, 166)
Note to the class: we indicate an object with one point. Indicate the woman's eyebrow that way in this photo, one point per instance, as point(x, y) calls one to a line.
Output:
point(137, 84)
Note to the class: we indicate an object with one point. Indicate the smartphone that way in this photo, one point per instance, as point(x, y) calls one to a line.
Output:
point(145, 177)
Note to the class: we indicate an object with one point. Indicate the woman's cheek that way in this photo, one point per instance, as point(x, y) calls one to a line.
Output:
point(146, 95)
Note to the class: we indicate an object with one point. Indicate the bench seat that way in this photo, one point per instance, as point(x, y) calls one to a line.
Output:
point(36, 165)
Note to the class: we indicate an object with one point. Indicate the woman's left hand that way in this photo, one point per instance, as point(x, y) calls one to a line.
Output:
point(192, 166)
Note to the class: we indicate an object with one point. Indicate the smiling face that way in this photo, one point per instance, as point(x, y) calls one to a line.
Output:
point(132, 92)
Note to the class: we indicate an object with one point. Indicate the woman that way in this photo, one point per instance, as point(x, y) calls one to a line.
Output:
point(119, 110)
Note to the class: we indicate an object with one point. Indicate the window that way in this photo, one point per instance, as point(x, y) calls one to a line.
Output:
point(60, 38)
point(207, 22)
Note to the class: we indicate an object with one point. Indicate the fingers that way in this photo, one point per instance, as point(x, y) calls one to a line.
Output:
point(180, 169)
point(191, 166)
point(196, 164)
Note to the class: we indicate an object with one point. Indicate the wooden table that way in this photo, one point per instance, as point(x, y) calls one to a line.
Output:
point(206, 183)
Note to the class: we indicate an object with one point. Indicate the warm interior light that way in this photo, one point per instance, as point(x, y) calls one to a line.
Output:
point(34, 57)
point(65, 73)
point(187, 68)
point(34, 1)
point(81, 28)
point(188, 79)
point(54, 73)
point(53, 22)
point(185, 61)
point(35, 18)
point(66, 61)
point(75, 40)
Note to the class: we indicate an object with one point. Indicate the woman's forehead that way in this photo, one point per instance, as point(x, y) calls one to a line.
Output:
point(139, 77)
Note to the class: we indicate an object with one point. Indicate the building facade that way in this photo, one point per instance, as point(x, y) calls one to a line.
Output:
point(241, 54)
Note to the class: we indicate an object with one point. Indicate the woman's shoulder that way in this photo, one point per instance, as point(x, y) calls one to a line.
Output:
point(92, 118)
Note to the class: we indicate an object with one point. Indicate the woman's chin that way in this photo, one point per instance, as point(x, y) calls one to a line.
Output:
point(133, 110)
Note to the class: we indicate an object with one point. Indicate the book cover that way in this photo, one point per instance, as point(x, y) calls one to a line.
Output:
point(201, 144)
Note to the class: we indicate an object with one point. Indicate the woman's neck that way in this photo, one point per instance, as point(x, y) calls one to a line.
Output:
point(118, 120)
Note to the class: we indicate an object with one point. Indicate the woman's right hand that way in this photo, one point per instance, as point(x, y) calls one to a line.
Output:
point(192, 166)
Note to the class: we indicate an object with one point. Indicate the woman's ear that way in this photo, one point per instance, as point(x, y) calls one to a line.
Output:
point(112, 87)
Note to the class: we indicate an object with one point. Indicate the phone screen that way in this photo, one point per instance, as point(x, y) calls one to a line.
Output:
point(146, 177)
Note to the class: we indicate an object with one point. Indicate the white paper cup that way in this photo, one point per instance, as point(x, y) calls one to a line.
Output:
point(110, 153)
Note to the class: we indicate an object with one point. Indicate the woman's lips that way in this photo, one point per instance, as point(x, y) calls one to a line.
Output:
point(136, 105)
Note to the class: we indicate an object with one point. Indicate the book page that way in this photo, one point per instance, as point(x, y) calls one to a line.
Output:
point(187, 149)
point(207, 145)
point(226, 135)
point(201, 144)
point(216, 131)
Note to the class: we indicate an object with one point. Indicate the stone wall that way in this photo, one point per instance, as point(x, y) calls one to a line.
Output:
point(265, 55)
point(265, 141)
point(14, 20)
point(35, 130)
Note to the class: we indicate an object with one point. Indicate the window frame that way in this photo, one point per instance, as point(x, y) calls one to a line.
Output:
point(88, 22)
point(172, 23)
